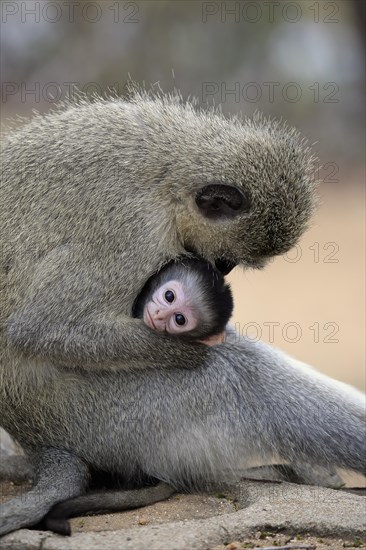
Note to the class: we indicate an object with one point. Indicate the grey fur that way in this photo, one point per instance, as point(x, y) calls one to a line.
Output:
point(82, 380)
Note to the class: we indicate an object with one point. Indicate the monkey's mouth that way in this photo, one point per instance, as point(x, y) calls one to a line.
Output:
point(148, 319)
point(224, 265)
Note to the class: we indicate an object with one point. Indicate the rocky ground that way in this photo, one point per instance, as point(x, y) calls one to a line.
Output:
point(250, 515)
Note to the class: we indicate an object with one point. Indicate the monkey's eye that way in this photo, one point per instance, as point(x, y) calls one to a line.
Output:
point(169, 296)
point(180, 319)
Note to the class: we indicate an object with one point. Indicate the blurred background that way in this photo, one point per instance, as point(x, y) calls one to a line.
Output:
point(302, 61)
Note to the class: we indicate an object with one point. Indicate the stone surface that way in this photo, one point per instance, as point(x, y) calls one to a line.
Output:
point(267, 507)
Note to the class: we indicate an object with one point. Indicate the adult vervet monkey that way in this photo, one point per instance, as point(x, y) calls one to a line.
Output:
point(96, 198)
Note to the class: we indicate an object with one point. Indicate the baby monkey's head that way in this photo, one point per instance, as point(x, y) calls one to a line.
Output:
point(187, 297)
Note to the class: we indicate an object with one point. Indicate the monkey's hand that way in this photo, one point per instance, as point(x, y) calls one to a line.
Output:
point(214, 340)
point(71, 320)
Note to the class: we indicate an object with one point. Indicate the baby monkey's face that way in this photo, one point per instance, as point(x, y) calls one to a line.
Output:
point(168, 309)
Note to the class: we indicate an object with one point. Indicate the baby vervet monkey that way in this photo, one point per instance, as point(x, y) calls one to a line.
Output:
point(188, 297)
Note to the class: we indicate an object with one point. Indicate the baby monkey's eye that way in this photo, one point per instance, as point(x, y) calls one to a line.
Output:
point(169, 296)
point(180, 319)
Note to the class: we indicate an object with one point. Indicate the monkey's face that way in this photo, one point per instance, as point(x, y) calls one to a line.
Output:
point(169, 310)
point(254, 199)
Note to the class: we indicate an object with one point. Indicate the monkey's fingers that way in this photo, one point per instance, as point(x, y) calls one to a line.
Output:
point(215, 339)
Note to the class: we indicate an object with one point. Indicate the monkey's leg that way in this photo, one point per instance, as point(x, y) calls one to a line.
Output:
point(16, 468)
point(105, 501)
point(253, 402)
point(306, 417)
point(299, 472)
point(61, 475)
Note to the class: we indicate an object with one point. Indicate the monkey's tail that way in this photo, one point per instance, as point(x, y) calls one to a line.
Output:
point(57, 520)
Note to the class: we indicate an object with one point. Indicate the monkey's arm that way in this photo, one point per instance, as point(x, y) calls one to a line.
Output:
point(72, 318)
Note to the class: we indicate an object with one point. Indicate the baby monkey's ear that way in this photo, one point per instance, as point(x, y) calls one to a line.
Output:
point(217, 200)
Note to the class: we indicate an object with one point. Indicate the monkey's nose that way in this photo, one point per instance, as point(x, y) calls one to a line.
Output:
point(160, 315)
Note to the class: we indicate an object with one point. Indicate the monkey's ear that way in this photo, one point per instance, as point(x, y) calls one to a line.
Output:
point(218, 200)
